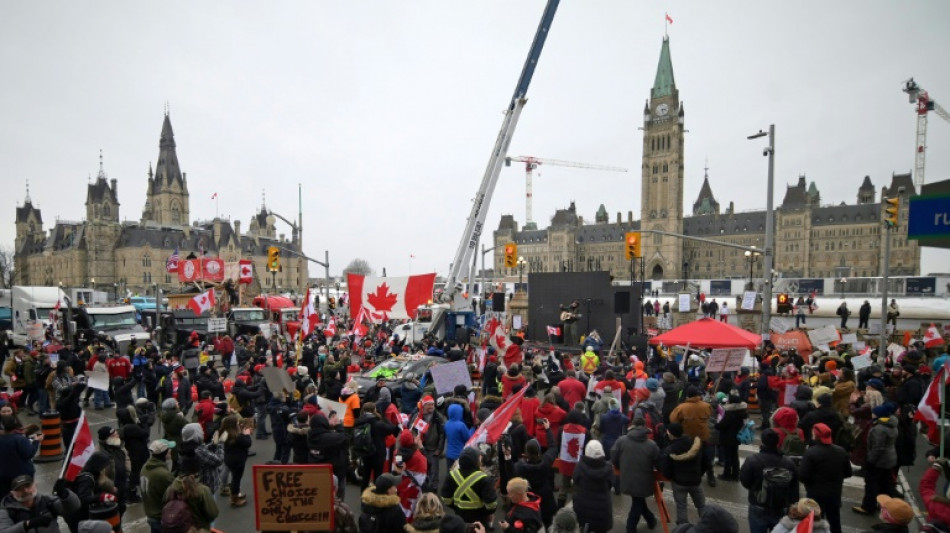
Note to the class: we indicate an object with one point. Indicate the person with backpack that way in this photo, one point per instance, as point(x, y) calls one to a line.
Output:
point(823, 469)
point(824, 414)
point(791, 439)
point(188, 503)
point(683, 463)
point(636, 456)
point(369, 443)
point(157, 479)
point(768, 498)
point(881, 457)
point(380, 510)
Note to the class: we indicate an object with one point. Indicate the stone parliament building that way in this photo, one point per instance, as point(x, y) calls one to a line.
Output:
point(811, 239)
point(109, 255)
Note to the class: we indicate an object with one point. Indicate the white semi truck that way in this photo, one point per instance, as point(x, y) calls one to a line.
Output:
point(31, 308)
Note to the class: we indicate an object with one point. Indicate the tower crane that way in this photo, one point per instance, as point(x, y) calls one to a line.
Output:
point(531, 163)
point(917, 95)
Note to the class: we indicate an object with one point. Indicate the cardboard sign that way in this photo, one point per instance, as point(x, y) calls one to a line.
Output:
point(293, 497)
point(858, 346)
point(684, 303)
point(277, 379)
point(748, 300)
point(778, 325)
point(97, 380)
point(861, 361)
point(725, 360)
point(449, 375)
point(329, 405)
point(825, 335)
point(217, 325)
point(849, 338)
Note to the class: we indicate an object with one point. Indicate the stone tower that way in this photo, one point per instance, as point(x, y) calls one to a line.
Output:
point(29, 223)
point(166, 198)
point(102, 227)
point(662, 185)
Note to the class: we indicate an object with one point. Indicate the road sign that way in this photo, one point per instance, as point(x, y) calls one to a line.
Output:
point(217, 325)
point(929, 217)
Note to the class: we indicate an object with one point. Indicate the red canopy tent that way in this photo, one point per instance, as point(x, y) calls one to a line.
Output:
point(708, 333)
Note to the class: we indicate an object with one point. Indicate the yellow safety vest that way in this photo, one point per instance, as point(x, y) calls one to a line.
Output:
point(589, 363)
point(465, 497)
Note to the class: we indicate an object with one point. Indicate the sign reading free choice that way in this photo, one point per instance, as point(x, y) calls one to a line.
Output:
point(929, 217)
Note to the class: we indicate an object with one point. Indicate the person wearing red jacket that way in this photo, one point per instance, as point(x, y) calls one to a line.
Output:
point(938, 506)
point(510, 379)
point(552, 413)
point(204, 410)
point(119, 366)
point(572, 389)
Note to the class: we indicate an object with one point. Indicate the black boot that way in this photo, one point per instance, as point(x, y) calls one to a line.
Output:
point(711, 478)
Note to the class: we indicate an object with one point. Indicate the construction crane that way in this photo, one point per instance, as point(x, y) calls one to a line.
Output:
point(918, 96)
point(531, 163)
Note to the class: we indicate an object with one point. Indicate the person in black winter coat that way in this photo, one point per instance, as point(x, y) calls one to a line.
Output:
point(381, 503)
point(69, 409)
point(766, 396)
point(94, 485)
point(111, 443)
point(824, 414)
point(372, 465)
point(593, 479)
point(683, 463)
point(327, 444)
point(536, 468)
point(490, 375)
point(750, 475)
point(733, 419)
point(911, 391)
point(279, 413)
point(297, 429)
point(712, 519)
point(823, 469)
point(136, 438)
point(123, 391)
point(246, 396)
point(673, 389)
point(803, 404)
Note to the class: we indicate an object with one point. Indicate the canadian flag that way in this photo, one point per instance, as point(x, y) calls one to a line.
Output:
point(807, 525)
point(308, 316)
point(189, 270)
point(497, 336)
point(202, 302)
point(932, 337)
point(330, 329)
point(928, 411)
point(212, 269)
point(493, 426)
point(246, 271)
point(397, 297)
point(80, 449)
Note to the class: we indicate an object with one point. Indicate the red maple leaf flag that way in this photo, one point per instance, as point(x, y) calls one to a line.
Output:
point(308, 316)
point(80, 449)
point(807, 525)
point(928, 411)
point(572, 446)
point(398, 298)
point(246, 271)
point(202, 302)
point(330, 329)
point(493, 426)
point(932, 337)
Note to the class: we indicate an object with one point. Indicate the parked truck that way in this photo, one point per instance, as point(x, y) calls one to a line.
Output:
point(31, 309)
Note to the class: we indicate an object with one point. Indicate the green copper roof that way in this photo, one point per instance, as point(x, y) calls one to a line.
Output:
point(664, 83)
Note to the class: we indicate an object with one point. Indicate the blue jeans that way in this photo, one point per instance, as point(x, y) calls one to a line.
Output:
point(760, 521)
point(42, 400)
point(100, 398)
point(638, 508)
point(155, 524)
point(260, 415)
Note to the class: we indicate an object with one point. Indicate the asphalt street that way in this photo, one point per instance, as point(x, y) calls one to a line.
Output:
point(729, 495)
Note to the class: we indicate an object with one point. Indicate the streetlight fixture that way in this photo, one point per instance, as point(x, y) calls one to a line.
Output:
point(752, 258)
point(844, 286)
point(769, 151)
point(521, 265)
point(685, 275)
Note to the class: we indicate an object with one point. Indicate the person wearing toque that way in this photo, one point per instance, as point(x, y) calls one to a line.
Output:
point(823, 469)
point(36, 512)
point(380, 504)
point(881, 456)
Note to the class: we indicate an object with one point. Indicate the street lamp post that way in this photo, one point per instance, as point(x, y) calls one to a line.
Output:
point(521, 265)
point(685, 275)
point(844, 285)
point(769, 231)
point(752, 258)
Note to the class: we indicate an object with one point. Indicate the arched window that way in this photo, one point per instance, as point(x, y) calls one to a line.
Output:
point(666, 168)
point(176, 214)
point(655, 167)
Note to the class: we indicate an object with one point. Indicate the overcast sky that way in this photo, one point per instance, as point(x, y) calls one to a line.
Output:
point(386, 112)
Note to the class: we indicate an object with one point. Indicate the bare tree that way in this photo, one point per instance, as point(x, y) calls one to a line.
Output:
point(358, 266)
point(7, 271)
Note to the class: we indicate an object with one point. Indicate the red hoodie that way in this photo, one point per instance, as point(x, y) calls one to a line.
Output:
point(936, 511)
point(529, 411)
point(555, 416)
point(204, 410)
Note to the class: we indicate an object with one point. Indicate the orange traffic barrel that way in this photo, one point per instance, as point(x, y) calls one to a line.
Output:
point(51, 448)
point(753, 402)
point(107, 512)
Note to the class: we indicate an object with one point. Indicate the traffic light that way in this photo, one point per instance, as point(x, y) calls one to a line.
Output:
point(892, 207)
point(273, 259)
point(632, 245)
point(331, 302)
point(784, 305)
point(511, 255)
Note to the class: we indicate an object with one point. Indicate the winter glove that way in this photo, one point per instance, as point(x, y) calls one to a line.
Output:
point(61, 488)
point(42, 520)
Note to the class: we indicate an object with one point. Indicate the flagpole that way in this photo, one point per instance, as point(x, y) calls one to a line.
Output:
point(72, 443)
point(941, 378)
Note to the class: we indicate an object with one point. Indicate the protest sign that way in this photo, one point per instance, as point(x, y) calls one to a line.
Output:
point(277, 379)
point(858, 346)
point(329, 405)
point(725, 360)
point(824, 335)
point(849, 338)
point(293, 497)
point(778, 325)
point(684, 303)
point(449, 375)
point(861, 361)
point(97, 380)
point(748, 300)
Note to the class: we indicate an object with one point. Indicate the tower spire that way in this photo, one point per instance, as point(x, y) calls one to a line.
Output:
point(28, 192)
point(664, 84)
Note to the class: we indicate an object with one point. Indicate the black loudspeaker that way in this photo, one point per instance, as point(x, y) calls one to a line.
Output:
point(621, 302)
point(498, 302)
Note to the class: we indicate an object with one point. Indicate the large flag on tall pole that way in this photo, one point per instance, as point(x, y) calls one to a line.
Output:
point(398, 298)
point(930, 408)
point(79, 450)
point(308, 316)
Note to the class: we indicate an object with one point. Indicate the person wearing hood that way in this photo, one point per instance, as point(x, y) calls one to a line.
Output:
point(536, 468)
point(881, 457)
point(188, 487)
point(280, 412)
point(712, 519)
point(433, 439)
point(548, 410)
point(736, 413)
point(380, 504)
point(510, 379)
point(803, 404)
point(841, 396)
point(457, 433)
point(208, 459)
point(611, 425)
point(672, 389)
point(25, 509)
point(477, 500)
point(381, 431)
point(158, 479)
point(93, 485)
point(593, 479)
point(172, 423)
point(824, 414)
point(111, 443)
point(328, 445)
point(636, 456)
point(524, 516)
point(823, 469)
point(800, 511)
point(785, 422)
point(146, 413)
point(761, 519)
point(135, 436)
point(683, 463)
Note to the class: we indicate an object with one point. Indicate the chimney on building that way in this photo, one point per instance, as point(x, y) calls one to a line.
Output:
point(115, 188)
point(619, 218)
point(237, 229)
point(630, 216)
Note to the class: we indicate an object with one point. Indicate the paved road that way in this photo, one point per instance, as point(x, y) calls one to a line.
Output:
point(729, 495)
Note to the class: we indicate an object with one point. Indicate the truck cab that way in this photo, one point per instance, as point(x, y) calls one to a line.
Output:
point(246, 321)
point(444, 323)
point(117, 322)
point(31, 308)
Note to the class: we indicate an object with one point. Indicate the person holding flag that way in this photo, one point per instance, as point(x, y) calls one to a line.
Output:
point(36, 512)
point(429, 424)
point(803, 517)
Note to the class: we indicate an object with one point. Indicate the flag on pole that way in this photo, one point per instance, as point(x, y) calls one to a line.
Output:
point(246, 269)
point(492, 428)
point(928, 411)
point(171, 265)
point(932, 338)
point(213, 196)
point(807, 525)
point(81, 447)
point(308, 316)
point(669, 18)
point(553, 330)
point(202, 302)
point(330, 329)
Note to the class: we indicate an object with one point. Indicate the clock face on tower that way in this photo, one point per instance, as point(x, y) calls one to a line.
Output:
point(662, 110)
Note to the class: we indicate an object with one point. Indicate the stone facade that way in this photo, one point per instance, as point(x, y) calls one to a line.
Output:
point(811, 240)
point(115, 256)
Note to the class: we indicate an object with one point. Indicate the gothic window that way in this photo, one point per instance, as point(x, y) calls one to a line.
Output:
point(106, 211)
point(655, 167)
point(657, 239)
point(666, 167)
point(176, 214)
point(663, 213)
point(653, 213)
point(667, 142)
